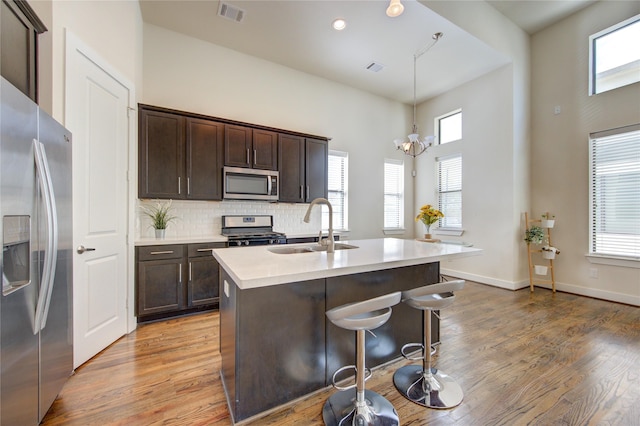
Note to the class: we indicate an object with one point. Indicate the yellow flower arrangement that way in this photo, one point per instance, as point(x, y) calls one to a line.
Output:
point(429, 215)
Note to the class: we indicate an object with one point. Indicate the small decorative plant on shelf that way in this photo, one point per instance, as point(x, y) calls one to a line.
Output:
point(548, 220)
point(160, 215)
point(549, 252)
point(534, 235)
point(429, 215)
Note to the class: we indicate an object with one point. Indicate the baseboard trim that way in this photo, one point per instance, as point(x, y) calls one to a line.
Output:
point(628, 299)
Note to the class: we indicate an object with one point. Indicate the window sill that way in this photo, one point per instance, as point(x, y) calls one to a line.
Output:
point(628, 262)
point(455, 232)
point(393, 231)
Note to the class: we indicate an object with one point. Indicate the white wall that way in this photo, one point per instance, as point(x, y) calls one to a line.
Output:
point(113, 29)
point(488, 184)
point(495, 148)
point(187, 74)
point(559, 154)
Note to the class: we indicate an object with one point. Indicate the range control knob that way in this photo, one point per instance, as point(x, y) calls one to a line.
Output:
point(246, 242)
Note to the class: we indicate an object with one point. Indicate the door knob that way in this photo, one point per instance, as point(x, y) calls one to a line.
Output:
point(82, 249)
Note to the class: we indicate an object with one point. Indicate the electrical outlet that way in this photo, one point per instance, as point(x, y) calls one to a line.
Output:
point(557, 110)
point(593, 272)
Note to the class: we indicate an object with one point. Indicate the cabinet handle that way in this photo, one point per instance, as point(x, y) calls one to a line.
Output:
point(254, 157)
point(179, 273)
point(190, 272)
point(248, 161)
point(308, 192)
point(205, 249)
point(301, 192)
point(162, 252)
point(188, 186)
point(179, 185)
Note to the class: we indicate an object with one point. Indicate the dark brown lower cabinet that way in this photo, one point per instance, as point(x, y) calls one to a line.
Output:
point(283, 329)
point(204, 272)
point(176, 279)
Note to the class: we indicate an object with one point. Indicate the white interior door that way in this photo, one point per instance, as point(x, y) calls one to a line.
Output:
point(97, 115)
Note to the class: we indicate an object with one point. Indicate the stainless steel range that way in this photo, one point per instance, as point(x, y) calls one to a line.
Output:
point(251, 231)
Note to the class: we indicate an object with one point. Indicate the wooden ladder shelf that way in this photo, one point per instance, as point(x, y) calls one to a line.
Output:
point(532, 280)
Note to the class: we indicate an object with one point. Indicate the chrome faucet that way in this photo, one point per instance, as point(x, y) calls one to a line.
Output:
point(328, 243)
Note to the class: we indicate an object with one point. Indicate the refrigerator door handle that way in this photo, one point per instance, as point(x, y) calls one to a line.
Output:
point(51, 253)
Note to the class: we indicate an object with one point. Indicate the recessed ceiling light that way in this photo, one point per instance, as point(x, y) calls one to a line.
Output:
point(339, 24)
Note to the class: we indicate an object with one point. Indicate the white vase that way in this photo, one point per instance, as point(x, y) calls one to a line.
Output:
point(160, 234)
point(547, 223)
point(540, 269)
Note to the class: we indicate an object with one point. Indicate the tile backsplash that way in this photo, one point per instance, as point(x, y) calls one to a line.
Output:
point(204, 218)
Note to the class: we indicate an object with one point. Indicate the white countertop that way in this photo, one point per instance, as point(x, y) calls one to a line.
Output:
point(218, 238)
point(150, 241)
point(256, 266)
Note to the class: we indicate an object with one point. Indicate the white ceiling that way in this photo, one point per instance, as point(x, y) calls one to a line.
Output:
point(535, 15)
point(298, 34)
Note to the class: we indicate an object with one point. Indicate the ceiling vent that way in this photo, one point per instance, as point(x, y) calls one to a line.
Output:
point(375, 67)
point(231, 12)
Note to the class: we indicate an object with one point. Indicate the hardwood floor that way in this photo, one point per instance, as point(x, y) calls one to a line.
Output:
point(521, 358)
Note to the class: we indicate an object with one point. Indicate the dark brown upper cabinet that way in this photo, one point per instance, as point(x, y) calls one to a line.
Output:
point(19, 29)
point(179, 157)
point(316, 169)
point(303, 165)
point(291, 158)
point(252, 148)
point(204, 159)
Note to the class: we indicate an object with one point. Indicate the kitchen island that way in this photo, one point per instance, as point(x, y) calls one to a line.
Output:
point(275, 341)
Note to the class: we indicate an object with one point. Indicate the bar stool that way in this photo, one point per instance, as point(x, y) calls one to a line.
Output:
point(362, 406)
point(425, 385)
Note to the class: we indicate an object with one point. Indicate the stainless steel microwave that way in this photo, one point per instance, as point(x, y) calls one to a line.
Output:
point(250, 184)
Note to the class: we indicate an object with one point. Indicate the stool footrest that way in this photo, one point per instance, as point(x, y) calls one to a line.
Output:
point(367, 375)
point(408, 346)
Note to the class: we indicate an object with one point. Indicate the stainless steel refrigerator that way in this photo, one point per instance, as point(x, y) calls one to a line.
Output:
point(36, 336)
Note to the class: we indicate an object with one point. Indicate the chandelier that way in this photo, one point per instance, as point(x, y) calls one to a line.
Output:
point(414, 146)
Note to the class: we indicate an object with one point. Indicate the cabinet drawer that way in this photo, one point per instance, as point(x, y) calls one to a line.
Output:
point(203, 249)
point(174, 251)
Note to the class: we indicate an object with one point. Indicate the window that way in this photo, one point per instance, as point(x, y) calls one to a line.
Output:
point(615, 192)
point(450, 191)
point(449, 127)
point(393, 194)
point(614, 56)
point(338, 173)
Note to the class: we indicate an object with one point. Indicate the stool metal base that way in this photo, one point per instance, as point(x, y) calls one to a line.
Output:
point(341, 410)
point(433, 389)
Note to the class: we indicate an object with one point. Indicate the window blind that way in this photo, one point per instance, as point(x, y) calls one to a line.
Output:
point(615, 193)
point(450, 191)
point(337, 183)
point(393, 194)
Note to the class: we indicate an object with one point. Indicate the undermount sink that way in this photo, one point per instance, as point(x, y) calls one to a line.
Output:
point(290, 250)
point(308, 249)
point(336, 246)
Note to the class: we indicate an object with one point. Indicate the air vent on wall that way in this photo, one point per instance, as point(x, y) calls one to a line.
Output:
point(231, 12)
point(375, 67)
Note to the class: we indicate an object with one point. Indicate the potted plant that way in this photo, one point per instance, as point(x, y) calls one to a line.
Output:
point(534, 235)
point(428, 215)
point(548, 220)
point(549, 252)
point(160, 215)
